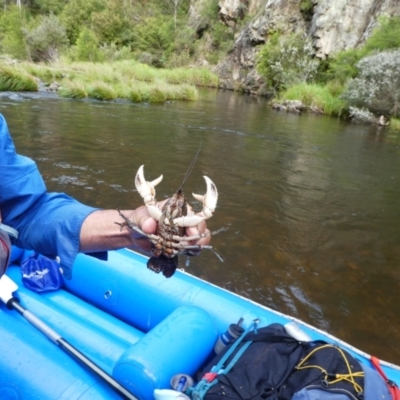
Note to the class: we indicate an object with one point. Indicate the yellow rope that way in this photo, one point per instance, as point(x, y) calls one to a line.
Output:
point(339, 377)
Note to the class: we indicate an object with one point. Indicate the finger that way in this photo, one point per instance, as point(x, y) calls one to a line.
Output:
point(149, 225)
point(193, 231)
point(142, 218)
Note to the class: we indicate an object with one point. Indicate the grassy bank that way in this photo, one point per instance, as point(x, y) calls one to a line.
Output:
point(126, 79)
point(322, 99)
point(325, 100)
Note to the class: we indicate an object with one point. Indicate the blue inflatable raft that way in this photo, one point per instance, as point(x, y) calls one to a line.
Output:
point(137, 326)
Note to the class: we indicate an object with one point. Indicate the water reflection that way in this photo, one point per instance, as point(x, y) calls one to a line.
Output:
point(312, 203)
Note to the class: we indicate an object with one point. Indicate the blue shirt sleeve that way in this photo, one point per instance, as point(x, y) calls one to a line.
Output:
point(48, 223)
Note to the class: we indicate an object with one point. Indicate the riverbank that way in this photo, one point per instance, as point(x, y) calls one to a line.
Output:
point(327, 100)
point(136, 82)
point(126, 79)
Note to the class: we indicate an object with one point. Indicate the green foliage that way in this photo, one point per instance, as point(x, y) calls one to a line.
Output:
point(286, 61)
point(395, 124)
point(155, 35)
point(183, 47)
point(198, 77)
point(385, 36)
point(123, 79)
point(315, 96)
point(343, 66)
point(48, 7)
point(16, 80)
point(87, 47)
point(222, 36)
point(135, 95)
point(378, 85)
point(72, 90)
point(77, 14)
point(112, 53)
point(111, 24)
point(12, 38)
point(101, 91)
point(47, 40)
point(210, 11)
point(178, 59)
point(335, 88)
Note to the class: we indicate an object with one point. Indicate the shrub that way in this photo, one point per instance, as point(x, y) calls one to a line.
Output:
point(286, 61)
point(87, 47)
point(343, 66)
point(155, 35)
point(222, 36)
point(385, 36)
point(361, 115)
point(111, 24)
point(378, 85)
point(77, 14)
point(112, 53)
point(47, 6)
point(46, 41)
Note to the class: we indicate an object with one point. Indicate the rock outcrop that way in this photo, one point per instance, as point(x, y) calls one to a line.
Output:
point(332, 26)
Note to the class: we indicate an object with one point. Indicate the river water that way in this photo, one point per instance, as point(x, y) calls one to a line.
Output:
point(312, 203)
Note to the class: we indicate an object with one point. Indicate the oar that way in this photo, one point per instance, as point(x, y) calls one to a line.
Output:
point(8, 287)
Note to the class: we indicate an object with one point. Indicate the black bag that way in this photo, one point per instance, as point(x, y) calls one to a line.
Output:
point(275, 366)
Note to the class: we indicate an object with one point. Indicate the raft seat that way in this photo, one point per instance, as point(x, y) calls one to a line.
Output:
point(179, 344)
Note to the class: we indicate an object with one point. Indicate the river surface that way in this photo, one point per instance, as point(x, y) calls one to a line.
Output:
point(312, 203)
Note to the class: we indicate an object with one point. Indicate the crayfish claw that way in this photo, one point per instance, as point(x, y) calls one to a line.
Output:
point(210, 199)
point(148, 192)
point(146, 189)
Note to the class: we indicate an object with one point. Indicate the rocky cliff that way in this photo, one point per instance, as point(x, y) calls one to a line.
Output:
point(331, 25)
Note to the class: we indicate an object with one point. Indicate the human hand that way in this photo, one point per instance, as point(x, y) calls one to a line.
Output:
point(141, 217)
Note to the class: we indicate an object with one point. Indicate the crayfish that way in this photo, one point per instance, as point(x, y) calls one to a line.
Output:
point(175, 215)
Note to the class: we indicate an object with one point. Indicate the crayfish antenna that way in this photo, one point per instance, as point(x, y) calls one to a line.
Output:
point(190, 169)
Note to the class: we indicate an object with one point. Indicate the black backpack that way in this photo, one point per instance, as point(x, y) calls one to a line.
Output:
point(272, 365)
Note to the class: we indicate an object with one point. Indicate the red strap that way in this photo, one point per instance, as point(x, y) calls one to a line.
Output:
point(210, 376)
point(393, 388)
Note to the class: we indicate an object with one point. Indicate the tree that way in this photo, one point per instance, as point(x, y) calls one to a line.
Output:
point(111, 24)
point(87, 46)
point(48, 6)
point(174, 4)
point(12, 23)
point(378, 85)
point(77, 14)
point(46, 40)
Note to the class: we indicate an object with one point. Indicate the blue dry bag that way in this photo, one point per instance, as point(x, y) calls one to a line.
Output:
point(41, 274)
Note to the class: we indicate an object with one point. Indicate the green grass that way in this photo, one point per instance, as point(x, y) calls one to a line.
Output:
point(15, 79)
point(315, 96)
point(125, 79)
point(73, 90)
point(394, 124)
point(101, 91)
point(193, 76)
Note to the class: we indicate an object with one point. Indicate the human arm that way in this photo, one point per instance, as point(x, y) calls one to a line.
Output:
point(55, 224)
point(101, 230)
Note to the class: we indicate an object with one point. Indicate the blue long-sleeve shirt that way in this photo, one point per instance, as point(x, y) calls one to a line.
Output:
point(48, 223)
